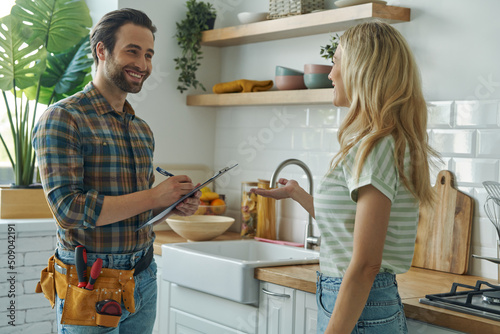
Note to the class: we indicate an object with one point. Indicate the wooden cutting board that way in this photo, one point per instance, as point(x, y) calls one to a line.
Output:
point(444, 232)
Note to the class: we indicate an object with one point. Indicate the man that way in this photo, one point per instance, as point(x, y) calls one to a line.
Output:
point(95, 159)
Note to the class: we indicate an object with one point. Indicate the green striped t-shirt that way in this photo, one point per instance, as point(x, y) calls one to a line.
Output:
point(335, 210)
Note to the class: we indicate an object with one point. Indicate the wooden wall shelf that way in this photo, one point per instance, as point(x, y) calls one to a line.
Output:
point(303, 25)
point(279, 97)
point(327, 21)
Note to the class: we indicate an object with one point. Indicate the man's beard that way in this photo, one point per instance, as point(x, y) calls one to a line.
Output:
point(117, 76)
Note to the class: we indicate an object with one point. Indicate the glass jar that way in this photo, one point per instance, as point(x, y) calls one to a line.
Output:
point(248, 210)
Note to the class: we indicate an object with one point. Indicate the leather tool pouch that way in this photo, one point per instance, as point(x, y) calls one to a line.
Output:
point(80, 304)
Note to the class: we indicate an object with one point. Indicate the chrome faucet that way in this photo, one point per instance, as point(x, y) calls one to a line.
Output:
point(309, 239)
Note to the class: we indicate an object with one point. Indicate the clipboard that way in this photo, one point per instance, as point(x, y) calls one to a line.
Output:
point(161, 216)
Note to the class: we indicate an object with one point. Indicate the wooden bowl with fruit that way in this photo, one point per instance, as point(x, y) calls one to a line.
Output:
point(211, 203)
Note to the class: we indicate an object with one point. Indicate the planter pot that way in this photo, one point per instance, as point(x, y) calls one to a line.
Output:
point(19, 203)
point(211, 23)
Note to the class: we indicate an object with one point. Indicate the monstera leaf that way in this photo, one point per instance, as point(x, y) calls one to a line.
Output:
point(43, 57)
point(19, 62)
point(65, 73)
point(59, 23)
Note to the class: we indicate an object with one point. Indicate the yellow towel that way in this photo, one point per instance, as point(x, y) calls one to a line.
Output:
point(242, 85)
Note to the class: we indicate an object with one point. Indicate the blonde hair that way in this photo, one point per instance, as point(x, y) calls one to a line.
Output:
point(383, 86)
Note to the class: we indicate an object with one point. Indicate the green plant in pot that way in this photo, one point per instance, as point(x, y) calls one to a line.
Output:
point(328, 50)
point(45, 56)
point(200, 16)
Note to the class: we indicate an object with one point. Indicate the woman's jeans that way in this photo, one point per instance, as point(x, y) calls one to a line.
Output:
point(383, 312)
point(142, 320)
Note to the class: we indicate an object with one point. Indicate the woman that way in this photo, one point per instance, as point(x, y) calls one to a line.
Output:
point(367, 204)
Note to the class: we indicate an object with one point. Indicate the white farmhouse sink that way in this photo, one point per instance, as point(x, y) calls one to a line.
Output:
point(226, 268)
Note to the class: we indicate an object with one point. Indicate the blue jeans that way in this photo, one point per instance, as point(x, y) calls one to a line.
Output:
point(383, 312)
point(142, 320)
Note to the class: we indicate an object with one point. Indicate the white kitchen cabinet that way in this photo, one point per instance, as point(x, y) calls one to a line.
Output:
point(276, 307)
point(306, 312)
point(185, 310)
point(286, 310)
point(186, 323)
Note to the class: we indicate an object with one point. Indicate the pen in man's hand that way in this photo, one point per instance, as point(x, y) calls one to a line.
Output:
point(163, 172)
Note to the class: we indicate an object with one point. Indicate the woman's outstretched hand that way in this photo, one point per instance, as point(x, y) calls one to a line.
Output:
point(291, 190)
point(290, 186)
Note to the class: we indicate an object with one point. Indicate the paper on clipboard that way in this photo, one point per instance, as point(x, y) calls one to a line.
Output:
point(159, 217)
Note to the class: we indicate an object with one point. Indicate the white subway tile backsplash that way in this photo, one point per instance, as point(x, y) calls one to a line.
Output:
point(440, 114)
point(474, 171)
point(319, 163)
point(437, 165)
point(454, 142)
point(480, 196)
point(291, 229)
point(292, 116)
point(306, 139)
point(480, 267)
point(323, 117)
point(488, 143)
point(484, 233)
point(329, 141)
point(478, 114)
point(342, 112)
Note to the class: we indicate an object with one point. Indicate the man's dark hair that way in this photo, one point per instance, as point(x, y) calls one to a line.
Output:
point(105, 29)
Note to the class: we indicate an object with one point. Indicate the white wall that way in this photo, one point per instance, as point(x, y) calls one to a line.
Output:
point(456, 46)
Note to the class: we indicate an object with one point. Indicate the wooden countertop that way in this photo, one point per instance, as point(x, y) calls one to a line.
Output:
point(413, 285)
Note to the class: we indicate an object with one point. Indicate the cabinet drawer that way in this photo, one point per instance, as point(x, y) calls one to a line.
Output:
point(185, 323)
point(223, 311)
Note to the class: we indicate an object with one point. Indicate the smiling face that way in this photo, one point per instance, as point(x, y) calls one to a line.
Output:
point(129, 65)
point(339, 95)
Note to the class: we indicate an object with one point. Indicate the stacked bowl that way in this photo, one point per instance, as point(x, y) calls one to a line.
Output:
point(316, 76)
point(288, 79)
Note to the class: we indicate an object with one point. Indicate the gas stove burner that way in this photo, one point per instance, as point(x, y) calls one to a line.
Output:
point(491, 297)
point(481, 299)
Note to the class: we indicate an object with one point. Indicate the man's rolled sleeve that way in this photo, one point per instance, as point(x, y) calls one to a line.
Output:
point(57, 144)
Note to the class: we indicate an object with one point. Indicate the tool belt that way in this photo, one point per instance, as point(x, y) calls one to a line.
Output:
point(80, 304)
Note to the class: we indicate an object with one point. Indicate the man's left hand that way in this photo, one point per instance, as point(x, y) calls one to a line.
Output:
point(188, 206)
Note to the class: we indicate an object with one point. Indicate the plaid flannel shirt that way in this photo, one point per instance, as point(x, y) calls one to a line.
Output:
point(85, 150)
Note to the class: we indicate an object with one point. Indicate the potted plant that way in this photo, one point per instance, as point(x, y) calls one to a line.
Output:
point(200, 16)
point(45, 57)
point(328, 50)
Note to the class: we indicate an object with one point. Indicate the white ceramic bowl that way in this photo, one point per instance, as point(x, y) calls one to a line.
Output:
point(248, 17)
point(200, 228)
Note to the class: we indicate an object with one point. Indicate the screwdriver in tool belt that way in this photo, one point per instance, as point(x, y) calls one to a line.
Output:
point(94, 273)
point(81, 265)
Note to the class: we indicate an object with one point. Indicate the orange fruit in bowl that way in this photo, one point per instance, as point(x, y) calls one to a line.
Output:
point(218, 206)
point(202, 209)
